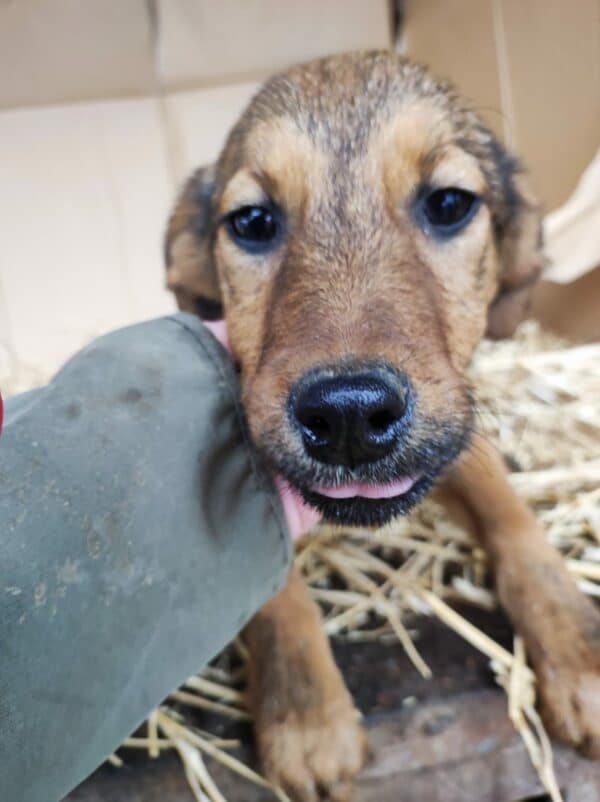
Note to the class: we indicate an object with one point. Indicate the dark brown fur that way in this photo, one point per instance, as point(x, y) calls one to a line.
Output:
point(343, 146)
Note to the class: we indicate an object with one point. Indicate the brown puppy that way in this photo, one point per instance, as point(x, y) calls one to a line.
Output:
point(360, 232)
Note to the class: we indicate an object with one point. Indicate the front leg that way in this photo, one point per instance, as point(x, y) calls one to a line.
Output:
point(307, 731)
point(560, 625)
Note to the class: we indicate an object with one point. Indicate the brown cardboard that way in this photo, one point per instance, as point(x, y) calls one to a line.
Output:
point(198, 121)
point(84, 199)
point(54, 51)
point(570, 310)
point(572, 233)
point(531, 66)
point(203, 42)
point(568, 300)
point(455, 38)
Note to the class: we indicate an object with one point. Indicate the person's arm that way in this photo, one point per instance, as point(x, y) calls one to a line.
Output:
point(138, 534)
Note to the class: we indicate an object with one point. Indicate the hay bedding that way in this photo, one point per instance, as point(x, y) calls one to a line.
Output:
point(538, 400)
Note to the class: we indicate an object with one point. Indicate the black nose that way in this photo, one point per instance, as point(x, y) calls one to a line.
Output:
point(349, 420)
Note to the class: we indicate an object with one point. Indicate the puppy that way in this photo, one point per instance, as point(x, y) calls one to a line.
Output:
point(360, 233)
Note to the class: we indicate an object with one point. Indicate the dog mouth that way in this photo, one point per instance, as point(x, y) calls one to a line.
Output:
point(375, 496)
point(351, 503)
point(368, 505)
point(356, 503)
point(370, 497)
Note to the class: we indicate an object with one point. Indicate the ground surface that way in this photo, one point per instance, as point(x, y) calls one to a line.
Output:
point(443, 740)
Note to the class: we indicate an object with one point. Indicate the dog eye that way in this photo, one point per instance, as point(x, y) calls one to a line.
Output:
point(450, 209)
point(253, 226)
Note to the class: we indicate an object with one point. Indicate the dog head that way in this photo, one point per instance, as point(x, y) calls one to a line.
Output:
point(360, 233)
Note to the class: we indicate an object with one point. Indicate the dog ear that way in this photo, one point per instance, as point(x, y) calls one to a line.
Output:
point(191, 272)
point(520, 246)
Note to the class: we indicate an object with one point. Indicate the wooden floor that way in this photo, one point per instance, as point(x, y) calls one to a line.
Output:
point(443, 740)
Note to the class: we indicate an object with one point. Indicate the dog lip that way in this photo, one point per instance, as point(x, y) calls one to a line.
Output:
point(300, 516)
point(369, 512)
point(399, 487)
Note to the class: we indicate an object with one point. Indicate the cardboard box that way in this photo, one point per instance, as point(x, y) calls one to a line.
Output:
point(568, 299)
point(570, 310)
point(68, 50)
point(84, 200)
point(532, 67)
point(198, 121)
point(203, 42)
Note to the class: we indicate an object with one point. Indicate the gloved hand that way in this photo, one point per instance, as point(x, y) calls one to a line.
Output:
point(138, 531)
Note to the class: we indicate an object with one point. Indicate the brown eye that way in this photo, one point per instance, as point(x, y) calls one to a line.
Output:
point(254, 228)
point(449, 210)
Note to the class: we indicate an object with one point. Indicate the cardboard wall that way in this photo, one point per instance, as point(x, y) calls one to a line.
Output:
point(60, 51)
point(203, 42)
point(83, 198)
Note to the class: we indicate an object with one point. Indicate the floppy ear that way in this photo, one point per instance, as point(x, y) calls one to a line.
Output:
point(520, 253)
point(191, 272)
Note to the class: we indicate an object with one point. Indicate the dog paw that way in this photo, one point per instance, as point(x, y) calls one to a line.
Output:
point(570, 705)
point(561, 629)
point(314, 756)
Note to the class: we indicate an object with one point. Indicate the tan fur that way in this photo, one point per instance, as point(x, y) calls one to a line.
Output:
point(342, 145)
point(307, 729)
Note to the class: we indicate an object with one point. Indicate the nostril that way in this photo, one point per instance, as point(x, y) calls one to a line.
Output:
point(316, 426)
point(382, 420)
point(315, 419)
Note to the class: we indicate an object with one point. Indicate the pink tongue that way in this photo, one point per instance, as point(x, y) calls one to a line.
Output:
point(352, 489)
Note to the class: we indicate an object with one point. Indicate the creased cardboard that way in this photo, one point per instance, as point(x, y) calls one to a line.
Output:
point(84, 197)
point(203, 42)
point(61, 51)
point(533, 69)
